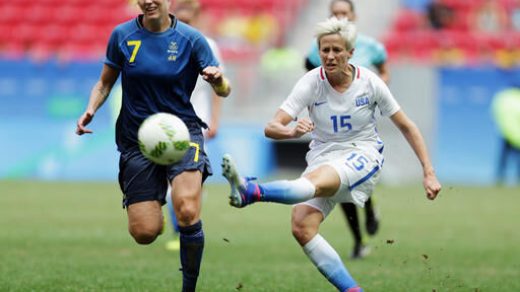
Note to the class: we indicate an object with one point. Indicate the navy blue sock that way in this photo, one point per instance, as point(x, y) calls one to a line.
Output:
point(192, 245)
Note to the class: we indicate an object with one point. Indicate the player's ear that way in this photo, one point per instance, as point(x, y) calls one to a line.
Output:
point(350, 53)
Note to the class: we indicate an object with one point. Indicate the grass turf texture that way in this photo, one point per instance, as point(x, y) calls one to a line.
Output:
point(72, 237)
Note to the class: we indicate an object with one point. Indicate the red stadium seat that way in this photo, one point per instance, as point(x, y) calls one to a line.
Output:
point(38, 14)
point(24, 34)
point(53, 35)
point(40, 52)
point(85, 33)
point(80, 25)
point(11, 14)
point(83, 3)
point(464, 5)
point(99, 15)
point(5, 33)
point(423, 44)
point(466, 42)
point(408, 20)
point(68, 14)
point(396, 44)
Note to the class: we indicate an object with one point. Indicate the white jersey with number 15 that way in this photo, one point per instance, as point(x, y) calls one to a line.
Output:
point(341, 119)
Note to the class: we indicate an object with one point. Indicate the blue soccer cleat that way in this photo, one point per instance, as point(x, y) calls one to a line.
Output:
point(243, 192)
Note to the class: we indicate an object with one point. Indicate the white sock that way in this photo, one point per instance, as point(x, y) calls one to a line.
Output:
point(328, 262)
point(288, 191)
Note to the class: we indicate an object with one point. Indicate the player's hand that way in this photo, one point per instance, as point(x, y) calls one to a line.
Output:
point(83, 121)
point(304, 126)
point(212, 75)
point(431, 186)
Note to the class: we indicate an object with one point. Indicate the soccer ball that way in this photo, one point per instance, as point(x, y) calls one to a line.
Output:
point(163, 138)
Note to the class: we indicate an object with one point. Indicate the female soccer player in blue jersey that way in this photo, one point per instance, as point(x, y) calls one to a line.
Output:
point(205, 102)
point(345, 157)
point(159, 60)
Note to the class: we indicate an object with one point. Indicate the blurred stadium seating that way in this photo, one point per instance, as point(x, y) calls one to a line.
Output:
point(79, 29)
point(47, 28)
point(463, 40)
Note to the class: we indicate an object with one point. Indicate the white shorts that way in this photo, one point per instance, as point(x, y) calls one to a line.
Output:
point(359, 171)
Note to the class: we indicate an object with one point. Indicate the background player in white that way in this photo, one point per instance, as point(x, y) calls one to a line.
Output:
point(345, 159)
point(204, 100)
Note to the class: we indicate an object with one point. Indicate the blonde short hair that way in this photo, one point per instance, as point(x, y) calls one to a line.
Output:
point(344, 28)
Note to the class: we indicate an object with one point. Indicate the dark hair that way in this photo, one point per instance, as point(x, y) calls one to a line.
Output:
point(349, 2)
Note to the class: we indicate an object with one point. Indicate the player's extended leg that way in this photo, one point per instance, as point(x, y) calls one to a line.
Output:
point(244, 191)
point(145, 221)
point(351, 214)
point(187, 188)
point(305, 223)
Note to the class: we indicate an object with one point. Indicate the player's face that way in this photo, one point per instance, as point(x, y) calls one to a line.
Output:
point(334, 54)
point(154, 9)
point(341, 9)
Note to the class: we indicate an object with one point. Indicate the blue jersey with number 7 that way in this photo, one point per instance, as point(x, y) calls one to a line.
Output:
point(158, 73)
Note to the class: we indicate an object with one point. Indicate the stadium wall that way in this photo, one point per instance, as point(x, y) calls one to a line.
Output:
point(40, 105)
point(41, 102)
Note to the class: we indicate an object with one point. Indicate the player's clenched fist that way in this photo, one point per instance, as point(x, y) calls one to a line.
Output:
point(302, 127)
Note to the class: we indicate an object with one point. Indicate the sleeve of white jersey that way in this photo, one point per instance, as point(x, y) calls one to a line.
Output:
point(300, 96)
point(385, 99)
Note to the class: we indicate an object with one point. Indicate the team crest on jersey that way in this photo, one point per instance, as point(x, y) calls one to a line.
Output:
point(361, 101)
point(172, 51)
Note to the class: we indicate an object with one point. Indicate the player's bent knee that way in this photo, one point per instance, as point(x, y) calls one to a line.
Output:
point(302, 231)
point(145, 239)
point(298, 231)
point(145, 221)
point(305, 223)
point(187, 214)
point(145, 232)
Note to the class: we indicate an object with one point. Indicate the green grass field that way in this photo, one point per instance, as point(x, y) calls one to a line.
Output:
point(72, 237)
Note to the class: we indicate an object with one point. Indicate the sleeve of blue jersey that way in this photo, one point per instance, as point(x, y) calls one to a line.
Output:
point(114, 56)
point(203, 53)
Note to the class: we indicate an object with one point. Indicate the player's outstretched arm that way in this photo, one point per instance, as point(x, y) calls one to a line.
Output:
point(278, 128)
point(98, 95)
point(216, 78)
point(416, 141)
point(215, 116)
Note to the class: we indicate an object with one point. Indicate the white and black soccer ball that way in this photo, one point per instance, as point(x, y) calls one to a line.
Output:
point(163, 138)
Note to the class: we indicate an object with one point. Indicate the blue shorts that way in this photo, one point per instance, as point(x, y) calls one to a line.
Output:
point(142, 180)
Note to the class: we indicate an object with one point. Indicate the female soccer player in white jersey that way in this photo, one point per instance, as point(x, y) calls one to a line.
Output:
point(345, 156)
